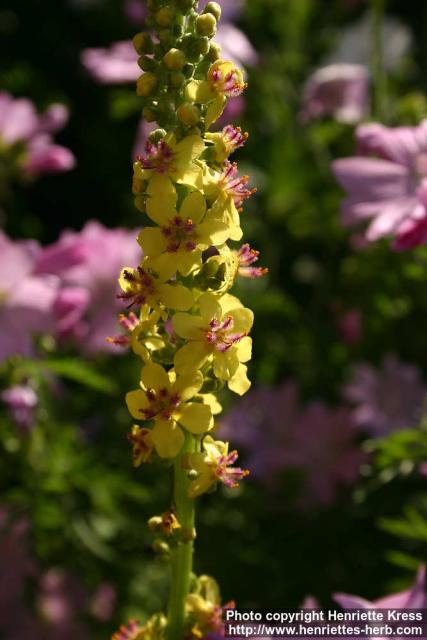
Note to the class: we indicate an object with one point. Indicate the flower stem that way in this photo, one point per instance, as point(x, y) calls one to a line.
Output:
point(182, 557)
point(379, 76)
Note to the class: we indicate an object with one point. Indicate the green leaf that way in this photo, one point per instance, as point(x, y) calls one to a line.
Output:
point(78, 371)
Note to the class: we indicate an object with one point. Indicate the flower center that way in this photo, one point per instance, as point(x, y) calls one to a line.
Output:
point(226, 79)
point(162, 404)
point(140, 286)
point(158, 157)
point(234, 185)
point(180, 235)
point(226, 473)
point(220, 335)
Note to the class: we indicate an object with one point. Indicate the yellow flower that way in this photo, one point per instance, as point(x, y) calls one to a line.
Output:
point(167, 162)
point(226, 141)
point(164, 398)
point(143, 445)
point(178, 242)
point(203, 608)
point(219, 335)
point(224, 81)
point(213, 465)
point(144, 286)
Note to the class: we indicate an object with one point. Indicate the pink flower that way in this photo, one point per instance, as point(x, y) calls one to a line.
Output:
point(338, 90)
point(20, 123)
point(112, 65)
point(277, 434)
point(21, 401)
point(89, 263)
point(413, 598)
point(386, 183)
point(386, 400)
point(322, 442)
point(26, 297)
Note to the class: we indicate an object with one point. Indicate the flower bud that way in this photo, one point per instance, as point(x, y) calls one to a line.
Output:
point(142, 43)
point(174, 59)
point(213, 8)
point(188, 534)
point(188, 114)
point(157, 135)
point(146, 63)
point(146, 84)
point(206, 25)
point(166, 37)
point(165, 16)
point(155, 523)
point(214, 52)
point(177, 79)
point(202, 45)
point(161, 547)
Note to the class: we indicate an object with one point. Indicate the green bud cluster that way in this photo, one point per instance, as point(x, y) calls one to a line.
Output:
point(178, 50)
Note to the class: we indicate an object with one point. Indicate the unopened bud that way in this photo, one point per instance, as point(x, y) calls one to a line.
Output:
point(177, 79)
point(214, 53)
point(188, 114)
point(146, 84)
point(146, 63)
point(174, 59)
point(166, 37)
point(213, 8)
point(142, 43)
point(188, 534)
point(165, 16)
point(155, 523)
point(202, 45)
point(206, 25)
point(161, 547)
point(157, 135)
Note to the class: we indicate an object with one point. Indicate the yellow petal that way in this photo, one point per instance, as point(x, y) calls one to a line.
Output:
point(215, 110)
point(191, 357)
point(188, 326)
point(162, 200)
point(190, 175)
point(188, 385)
point(209, 307)
point(211, 400)
point(244, 349)
point(199, 91)
point(152, 241)
point(194, 207)
point(201, 484)
point(196, 418)
point(225, 364)
point(190, 148)
point(188, 261)
point(153, 376)
point(243, 320)
point(135, 401)
point(240, 383)
point(168, 438)
point(175, 296)
point(230, 303)
point(215, 230)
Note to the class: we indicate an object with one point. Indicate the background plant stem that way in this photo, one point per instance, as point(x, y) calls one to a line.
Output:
point(379, 76)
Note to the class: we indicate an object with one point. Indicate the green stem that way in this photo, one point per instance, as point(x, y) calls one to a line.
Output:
point(182, 556)
point(379, 76)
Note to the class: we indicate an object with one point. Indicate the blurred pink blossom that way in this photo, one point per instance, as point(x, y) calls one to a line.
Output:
point(388, 399)
point(88, 264)
point(26, 297)
point(413, 598)
point(112, 65)
point(349, 325)
point(386, 183)
point(278, 434)
point(21, 401)
point(338, 90)
point(20, 124)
